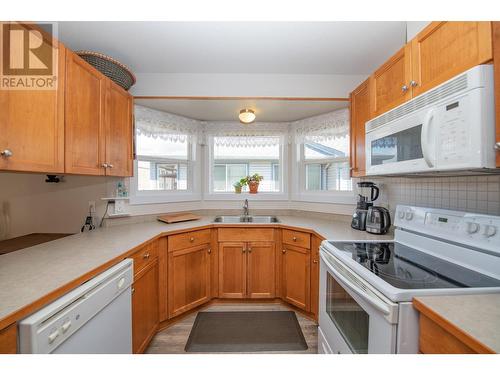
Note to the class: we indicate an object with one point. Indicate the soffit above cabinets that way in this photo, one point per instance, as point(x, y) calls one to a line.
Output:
point(345, 48)
point(266, 110)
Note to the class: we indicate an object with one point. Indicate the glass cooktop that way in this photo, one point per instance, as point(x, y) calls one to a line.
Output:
point(406, 268)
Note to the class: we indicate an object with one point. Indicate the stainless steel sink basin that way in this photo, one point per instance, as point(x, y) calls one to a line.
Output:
point(246, 219)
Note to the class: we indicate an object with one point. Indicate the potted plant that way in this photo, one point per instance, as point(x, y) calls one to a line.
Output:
point(253, 182)
point(237, 187)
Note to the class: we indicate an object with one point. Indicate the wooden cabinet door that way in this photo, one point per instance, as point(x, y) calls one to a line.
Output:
point(188, 279)
point(232, 270)
point(390, 84)
point(296, 276)
point(444, 49)
point(261, 270)
point(144, 307)
point(360, 114)
point(84, 111)
point(118, 131)
point(32, 124)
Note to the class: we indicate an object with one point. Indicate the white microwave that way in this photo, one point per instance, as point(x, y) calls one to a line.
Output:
point(450, 128)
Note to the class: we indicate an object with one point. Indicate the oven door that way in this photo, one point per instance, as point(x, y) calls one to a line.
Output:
point(402, 146)
point(353, 317)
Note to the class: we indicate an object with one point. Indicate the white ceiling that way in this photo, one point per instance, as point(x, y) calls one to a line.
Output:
point(240, 47)
point(227, 110)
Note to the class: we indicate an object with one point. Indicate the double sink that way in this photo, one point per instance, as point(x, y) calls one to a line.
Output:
point(246, 219)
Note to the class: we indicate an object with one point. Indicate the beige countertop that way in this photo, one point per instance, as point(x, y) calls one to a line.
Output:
point(477, 315)
point(29, 274)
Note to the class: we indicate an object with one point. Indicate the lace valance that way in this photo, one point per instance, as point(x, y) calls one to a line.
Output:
point(322, 128)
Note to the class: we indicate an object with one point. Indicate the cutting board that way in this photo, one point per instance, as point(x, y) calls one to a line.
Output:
point(176, 218)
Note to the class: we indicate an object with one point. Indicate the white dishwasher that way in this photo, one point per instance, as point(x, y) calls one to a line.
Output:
point(95, 318)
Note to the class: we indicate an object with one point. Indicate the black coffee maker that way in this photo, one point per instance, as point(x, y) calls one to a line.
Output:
point(369, 193)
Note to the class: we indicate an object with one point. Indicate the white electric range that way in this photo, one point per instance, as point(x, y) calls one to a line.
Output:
point(367, 287)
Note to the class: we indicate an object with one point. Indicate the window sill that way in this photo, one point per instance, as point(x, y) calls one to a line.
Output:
point(172, 197)
point(251, 197)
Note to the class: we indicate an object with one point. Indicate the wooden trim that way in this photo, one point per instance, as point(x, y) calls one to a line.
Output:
point(496, 66)
point(292, 98)
point(163, 278)
point(451, 328)
point(63, 289)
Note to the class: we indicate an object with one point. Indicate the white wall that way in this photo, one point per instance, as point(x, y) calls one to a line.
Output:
point(279, 85)
point(414, 27)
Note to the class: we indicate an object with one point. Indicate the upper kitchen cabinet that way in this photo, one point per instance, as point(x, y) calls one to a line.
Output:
point(118, 130)
point(444, 49)
point(390, 83)
point(98, 122)
point(496, 62)
point(32, 123)
point(85, 131)
point(360, 114)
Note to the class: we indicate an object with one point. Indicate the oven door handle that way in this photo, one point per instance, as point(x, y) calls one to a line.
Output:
point(375, 301)
point(424, 138)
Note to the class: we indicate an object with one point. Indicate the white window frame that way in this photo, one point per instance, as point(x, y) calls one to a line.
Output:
point(322, 196)
point(192, 193)
point(210, 195)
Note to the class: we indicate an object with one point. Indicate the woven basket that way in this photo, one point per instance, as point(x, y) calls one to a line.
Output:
point(111, 68)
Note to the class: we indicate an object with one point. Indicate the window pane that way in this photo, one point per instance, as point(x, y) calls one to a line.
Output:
point(161, 176)
point(328, 176)
point(162, 148)
point(237, 157)
point(327, 148)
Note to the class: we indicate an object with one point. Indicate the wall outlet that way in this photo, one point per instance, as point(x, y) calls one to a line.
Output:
point(92, 207)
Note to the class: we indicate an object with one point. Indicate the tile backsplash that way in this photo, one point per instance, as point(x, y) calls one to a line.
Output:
point(479, 194)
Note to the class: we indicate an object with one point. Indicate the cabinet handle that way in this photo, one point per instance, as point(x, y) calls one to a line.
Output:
point(413, 83)
point(6, 153)
point(294, 239)
point(209, 250)
point(146, 256)
point(191, 239)
point(105, 165)
point(133, 289)
point(315, 261)
point(283, 251)
point(404, 88)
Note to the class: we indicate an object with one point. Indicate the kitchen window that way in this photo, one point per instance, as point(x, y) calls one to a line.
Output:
point(232, 158)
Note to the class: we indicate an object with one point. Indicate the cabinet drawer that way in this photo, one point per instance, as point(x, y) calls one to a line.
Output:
point(145, 256)
point(189, 239)
point(301, 239)
point(245, 234)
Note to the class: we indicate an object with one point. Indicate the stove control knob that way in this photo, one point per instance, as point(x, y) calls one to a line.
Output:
point(472, 227)
point(489, 231)
point(408, 215)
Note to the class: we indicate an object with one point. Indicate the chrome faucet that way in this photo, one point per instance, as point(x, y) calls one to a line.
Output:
point(245, 208)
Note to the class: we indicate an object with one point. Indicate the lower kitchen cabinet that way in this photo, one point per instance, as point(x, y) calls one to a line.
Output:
point(145, 306)
point(8, 340)
point(188, 278)
point(296, 276)
point(247, 270)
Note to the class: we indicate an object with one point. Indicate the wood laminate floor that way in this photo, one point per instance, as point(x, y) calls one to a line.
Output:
point(172, 340)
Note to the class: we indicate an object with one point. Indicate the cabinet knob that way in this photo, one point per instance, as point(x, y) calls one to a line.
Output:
point(404, 88)
point(243, 250)
point(294, 239)
point(191, 239)
point(283, 251)
point(105, 165)
point(497, 146)
point(249, 249)
point(110, 165)
point(413, 83)
point(146, 256)
point(209, 250)
point(133, 289)
point(315, 261)
point(6, 153)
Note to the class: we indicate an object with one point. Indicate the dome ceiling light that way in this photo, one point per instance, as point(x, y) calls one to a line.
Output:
point(247, 116)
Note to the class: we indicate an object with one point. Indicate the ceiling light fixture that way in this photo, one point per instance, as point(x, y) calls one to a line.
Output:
point(247, 116)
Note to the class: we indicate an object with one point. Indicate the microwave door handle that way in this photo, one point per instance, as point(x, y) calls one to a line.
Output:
point(375, 302)
point(424, 138)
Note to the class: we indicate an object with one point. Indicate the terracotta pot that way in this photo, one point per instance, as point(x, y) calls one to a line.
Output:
point(254, 187)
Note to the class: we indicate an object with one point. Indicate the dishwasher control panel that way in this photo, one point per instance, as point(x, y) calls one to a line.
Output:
point(48, 328)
